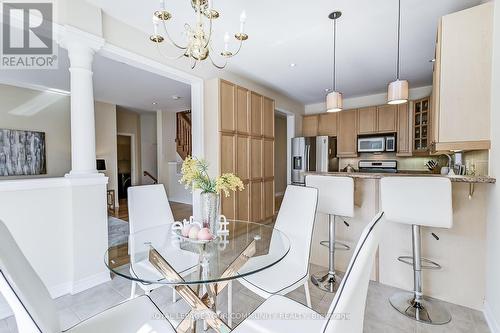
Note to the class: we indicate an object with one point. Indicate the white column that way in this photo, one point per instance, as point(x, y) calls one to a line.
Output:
point(81, 49)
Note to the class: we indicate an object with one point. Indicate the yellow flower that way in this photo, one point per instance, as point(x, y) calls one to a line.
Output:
point(228, 182)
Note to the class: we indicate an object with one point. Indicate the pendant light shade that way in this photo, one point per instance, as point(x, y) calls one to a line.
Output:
point(397, 93)
point(334, 98)
point(334, 102)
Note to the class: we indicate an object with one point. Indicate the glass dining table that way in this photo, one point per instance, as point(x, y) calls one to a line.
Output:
point(200, 270)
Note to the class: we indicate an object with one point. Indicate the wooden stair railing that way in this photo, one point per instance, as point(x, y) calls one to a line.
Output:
point(147, 174)
point(183, 135)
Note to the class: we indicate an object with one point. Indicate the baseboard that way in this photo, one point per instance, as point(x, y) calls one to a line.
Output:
point(89, 282)
point(493, 324)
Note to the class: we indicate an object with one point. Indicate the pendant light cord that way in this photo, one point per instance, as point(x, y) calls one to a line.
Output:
point(399, 36)
point(334, 54)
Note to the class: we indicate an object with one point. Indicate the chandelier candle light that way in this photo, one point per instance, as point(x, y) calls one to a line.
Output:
point(334, 98)
point(397, 92)
point(198, 46)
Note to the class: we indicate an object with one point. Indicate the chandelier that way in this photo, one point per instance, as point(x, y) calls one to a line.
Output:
point(198, 46)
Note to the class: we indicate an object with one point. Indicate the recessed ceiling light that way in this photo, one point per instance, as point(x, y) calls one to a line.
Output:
point(154, 103)
point(175, 97)
point(292, 65)
point(327, 89)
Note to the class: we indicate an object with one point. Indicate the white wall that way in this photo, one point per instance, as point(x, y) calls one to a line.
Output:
point(43, 111)
point(105, 133)
point(129, 122)
point(149, 160)
point(492, 302)
point(369, 100)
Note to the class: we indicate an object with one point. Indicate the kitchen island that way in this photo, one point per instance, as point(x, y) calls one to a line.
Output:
point(461, 250)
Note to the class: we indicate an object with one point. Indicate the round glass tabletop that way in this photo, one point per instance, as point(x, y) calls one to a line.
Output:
point(159, 256)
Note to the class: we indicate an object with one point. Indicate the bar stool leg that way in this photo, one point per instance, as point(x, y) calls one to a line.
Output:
point(413, 304)
point(327, 281)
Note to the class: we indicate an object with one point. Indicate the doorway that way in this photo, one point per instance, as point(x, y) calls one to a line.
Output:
point(280, 157)
point(125, 164)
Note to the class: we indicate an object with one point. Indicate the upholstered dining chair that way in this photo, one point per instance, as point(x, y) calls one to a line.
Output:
point(35, 311)
point(279, 314)
point(151, 218)
point(295, 219)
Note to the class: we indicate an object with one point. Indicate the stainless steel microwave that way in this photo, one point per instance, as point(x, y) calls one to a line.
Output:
point(377, 144)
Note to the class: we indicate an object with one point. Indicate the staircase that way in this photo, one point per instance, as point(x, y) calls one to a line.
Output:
point(183, 135)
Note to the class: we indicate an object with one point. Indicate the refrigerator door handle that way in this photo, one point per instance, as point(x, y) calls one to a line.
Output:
point(308, 155)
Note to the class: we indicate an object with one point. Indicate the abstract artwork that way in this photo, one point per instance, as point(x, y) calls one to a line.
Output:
point(22, 153)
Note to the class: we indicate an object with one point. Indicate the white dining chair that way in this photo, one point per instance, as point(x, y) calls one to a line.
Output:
point(151, 219)
point(35, 311)
point(295, 219)
point(279, 314)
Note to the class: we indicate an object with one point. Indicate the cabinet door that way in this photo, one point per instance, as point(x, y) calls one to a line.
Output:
point(268, 117)
point(367, 120)
point(256, 158)
point(227, 106)
point(242, 111)
point(268, 199)
point(256, 201)
point(242, 157)
point(243, 203)
point(310, 125)
point(256, 111)
point(228, 154)
point(404, 130)
point(328, 124)
point(268, 158)
point(387, 116)
point(347, 134)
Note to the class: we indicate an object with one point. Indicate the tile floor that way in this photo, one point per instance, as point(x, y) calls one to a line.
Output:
point(379, 315)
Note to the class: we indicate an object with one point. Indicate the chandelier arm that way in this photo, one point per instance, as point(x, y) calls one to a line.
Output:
point(194, 64)
point(239, 49)
point(209, 33)
point(215, 65)
point(167, 56)
point(170, 39)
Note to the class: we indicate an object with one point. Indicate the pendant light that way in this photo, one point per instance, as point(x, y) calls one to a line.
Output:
point(397, 92)
point(334, 98)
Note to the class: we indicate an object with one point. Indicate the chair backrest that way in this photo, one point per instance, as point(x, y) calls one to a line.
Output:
point(336, 194)
point(148, 207)
point(347, 311)
point(23, 290)
point(296, 219)
point(425, 201)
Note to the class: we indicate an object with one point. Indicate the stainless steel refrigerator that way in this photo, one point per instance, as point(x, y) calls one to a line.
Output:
point(309, 154)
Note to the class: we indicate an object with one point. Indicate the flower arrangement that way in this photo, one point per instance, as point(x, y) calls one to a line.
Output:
point(195, 176)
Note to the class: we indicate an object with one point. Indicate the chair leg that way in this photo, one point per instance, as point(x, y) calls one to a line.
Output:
point(230, 304)
point(308, 294)
point(132, 290)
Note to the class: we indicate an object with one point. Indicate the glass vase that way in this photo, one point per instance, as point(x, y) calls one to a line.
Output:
point(210, 203)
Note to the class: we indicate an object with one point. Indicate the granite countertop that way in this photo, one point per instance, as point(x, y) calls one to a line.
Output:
point(370, 175)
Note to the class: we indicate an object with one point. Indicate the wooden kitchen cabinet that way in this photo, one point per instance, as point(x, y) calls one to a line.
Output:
point(256, 114)
point(242, 111)
point(404, 130)
point(256, 201)
point(347, 133)
point(387, 116)
point(310, 125)
point(462, 80)
point(367, 120)
point(268, 117)
point(328, 124)
point(227, 106)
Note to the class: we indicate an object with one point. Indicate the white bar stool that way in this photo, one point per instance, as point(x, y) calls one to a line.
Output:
point(335, 198)
point(418, 201)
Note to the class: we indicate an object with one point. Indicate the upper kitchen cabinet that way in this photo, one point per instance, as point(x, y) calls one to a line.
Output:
point(347, 133)
point(227, 106)
point(367, 120)
point(256, 114)
point(328, 124)
point(405, 136)
point(242, 111)
point(462, 80)
point(421, 126)
point(387, 118)
point(310, 125)
point(268, 117)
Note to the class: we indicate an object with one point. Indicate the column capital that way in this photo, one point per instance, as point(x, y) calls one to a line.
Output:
point(81, 46)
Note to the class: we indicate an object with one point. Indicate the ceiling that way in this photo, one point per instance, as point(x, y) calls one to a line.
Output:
point(285, 32)
point(114, 82)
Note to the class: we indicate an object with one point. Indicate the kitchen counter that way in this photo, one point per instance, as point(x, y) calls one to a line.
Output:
point(370, 175)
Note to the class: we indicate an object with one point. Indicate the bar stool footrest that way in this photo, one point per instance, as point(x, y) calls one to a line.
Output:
point(338, 245)
point(425, 263)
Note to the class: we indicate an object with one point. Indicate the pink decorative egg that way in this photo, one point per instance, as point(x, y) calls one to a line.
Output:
point(193, 232)
point(205, 234)
point(185, 230)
